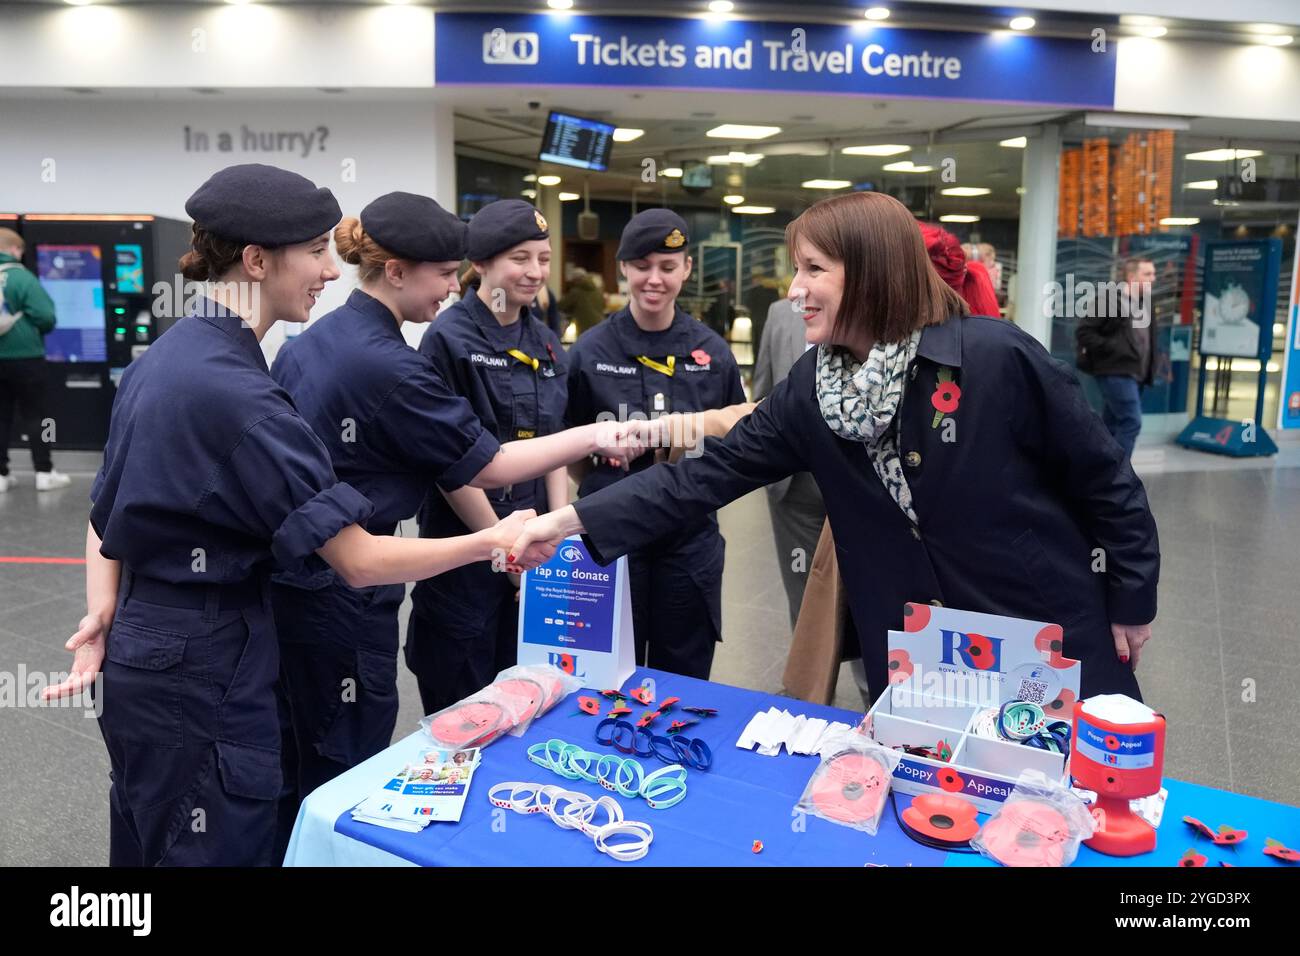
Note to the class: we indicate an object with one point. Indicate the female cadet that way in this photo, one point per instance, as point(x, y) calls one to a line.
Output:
point(651, 359)
point(959, 462)
point(209, 476)
point(393, 430)
point(493, 350)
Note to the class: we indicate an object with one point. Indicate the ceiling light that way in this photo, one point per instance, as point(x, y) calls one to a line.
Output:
point(754, 210)
point(741, 131)
point(826, 184)
point(885, 149)
point(733, 200)
point(728, 159)
point(560, 4)
point(906, 166)
point(955, 217)
point(529, 194)
point(672, 172)
point(1021, 23)
point(1276, 40)
point(1153, 33)
point(721, 6)
point(569, 197)
point(1223, 155)
point(877, 13)
point(625, 134)
point(1015, 142)
point(966, 191)
point(1179, 221)
point(530, 178)
point(1203, 184)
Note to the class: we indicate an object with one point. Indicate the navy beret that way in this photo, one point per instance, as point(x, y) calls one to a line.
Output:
point(263, 205)
point(414, 227)
point(502, 224)
point(653, 230)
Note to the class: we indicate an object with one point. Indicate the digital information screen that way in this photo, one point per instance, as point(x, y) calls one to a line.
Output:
point(130, 268)
point(574, 141)
point(697, 176)
point(74, 278)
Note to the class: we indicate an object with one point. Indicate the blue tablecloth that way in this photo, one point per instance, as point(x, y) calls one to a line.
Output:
point(743, 798)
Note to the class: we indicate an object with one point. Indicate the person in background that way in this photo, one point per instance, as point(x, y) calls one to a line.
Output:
point(988, 256)
point(967, 278)
point(584, 300)
point(1116, 351)
point(546, 310)
point(26, 315)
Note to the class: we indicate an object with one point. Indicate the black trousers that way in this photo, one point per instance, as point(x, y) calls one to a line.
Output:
point(22, 387)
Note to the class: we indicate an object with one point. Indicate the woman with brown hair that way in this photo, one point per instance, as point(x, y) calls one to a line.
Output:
point(959, 462)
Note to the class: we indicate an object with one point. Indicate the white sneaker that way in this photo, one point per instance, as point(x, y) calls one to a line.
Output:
point(50, 480)
point(5, 481)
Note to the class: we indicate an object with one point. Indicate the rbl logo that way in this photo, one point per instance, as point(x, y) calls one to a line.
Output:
point(976, 651)
point(571, 553)
point(565, 662)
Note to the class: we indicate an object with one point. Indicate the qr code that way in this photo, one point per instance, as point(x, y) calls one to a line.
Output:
point(1034, 691)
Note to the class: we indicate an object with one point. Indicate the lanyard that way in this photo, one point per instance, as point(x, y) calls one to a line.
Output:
point(524, 357)
point(664, 368)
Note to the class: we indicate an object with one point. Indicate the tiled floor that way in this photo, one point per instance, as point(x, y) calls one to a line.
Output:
point(1223, 665)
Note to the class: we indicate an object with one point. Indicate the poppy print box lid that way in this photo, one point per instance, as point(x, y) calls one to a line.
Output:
point(950, 654)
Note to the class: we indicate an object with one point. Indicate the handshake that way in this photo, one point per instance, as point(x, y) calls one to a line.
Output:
point(524, 540)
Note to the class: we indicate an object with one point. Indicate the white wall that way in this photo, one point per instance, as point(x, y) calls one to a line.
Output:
point(1231, 80)
point(1239, 11)
point(258, 45)
point(104, 155)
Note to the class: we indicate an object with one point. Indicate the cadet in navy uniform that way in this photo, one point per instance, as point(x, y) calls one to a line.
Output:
point(209, 477)
point(511, 367)
point(393, 429)
point(959, 462)
point(651, 358)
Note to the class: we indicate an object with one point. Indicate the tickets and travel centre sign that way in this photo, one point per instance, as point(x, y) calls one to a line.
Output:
point(697, 54)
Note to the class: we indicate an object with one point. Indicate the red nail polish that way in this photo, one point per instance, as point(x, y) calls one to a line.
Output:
point(1124, 658)
point(510, 557)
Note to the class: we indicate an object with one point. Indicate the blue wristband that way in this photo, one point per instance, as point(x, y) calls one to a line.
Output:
point(612, 724)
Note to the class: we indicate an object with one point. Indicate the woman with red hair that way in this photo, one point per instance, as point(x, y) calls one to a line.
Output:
point(968, 278)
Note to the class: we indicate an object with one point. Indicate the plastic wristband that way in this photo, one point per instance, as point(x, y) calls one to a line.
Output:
point(612, 724)
point(625, 852)
point(635, 778)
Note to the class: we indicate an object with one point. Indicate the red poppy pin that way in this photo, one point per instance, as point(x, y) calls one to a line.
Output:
point(950, 780)
point(1192, 858)
point(1279, 851)
point(946, 397)
point(701, 357)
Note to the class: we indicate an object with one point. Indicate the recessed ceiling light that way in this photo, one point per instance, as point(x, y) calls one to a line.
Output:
point(549, 180)
point(672, 172)
point(1015, 142)
point(79, 3)
point(753, 210)
point(1276, 40)
point(741, 131)
point(906, 166)
point(560, 4)
point(826, 184)
point(884, 149)
point(569, 197)
point(956, 217)
point(1203, 184)
point(727, 159)
point(1223, 155)
point(529, 194)
point(1179, 221)
point(966, 191)
point(721, 6)
point(877, 13)
point(625, 134)
point(733, 200)
point(530, 178)
point(1153, 33)
point(1021, 23)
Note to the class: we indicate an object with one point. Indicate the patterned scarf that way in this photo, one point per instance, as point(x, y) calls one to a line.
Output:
point(859, 401)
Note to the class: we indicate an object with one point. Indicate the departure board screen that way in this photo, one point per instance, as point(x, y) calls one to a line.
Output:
point(575, 141)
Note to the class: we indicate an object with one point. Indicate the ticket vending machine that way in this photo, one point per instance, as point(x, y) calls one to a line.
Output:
point(101, 272)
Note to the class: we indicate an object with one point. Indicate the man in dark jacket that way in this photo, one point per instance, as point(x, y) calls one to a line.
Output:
point(1115, 347)
point(26, 315)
